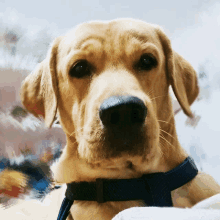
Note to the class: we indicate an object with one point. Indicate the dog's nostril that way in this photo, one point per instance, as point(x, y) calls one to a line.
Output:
point(136, 116)
point(115, 118)
point(122, 111)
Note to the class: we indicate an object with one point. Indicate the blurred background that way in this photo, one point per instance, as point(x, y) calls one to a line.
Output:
point(28, 27)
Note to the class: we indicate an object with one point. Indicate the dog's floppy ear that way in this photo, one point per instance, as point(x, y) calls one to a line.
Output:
point(181, 75)
point(39, 91)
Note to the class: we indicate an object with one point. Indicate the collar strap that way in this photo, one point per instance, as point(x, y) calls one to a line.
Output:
point(155, 189)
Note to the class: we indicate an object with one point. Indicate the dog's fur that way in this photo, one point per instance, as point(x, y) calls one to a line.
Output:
point(113, 48)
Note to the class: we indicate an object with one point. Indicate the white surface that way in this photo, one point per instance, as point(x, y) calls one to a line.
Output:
point(208, 209)
point(154, 213)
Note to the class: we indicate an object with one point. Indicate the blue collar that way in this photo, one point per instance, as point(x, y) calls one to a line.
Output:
point(155, 189)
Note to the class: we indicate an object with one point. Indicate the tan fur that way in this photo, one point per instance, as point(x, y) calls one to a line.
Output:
point(112, 48)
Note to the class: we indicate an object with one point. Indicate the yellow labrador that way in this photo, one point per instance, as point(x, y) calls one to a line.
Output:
point(109, 83)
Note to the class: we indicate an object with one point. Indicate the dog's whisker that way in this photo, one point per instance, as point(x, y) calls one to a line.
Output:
point(150, 92)
point(166, 140)
point(166, 122)
point(167, 133)
point(74, 132)
point(70, 135)
point(160, 149)
point(158, 97)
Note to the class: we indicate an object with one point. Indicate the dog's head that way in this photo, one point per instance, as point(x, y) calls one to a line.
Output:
point(109, 83)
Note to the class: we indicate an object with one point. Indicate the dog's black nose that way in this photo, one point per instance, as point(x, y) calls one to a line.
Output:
point(121, 111)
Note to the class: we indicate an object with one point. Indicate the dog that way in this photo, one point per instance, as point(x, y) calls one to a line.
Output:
point(109, 83)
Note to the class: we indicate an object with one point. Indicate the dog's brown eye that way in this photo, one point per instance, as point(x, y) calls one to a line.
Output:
point(147, 62)
point(81, 69)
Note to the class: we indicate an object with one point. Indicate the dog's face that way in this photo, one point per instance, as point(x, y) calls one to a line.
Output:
point(110, 61)
point(109, 82)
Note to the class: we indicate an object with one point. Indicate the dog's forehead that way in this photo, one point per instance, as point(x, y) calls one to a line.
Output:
point(105, 30)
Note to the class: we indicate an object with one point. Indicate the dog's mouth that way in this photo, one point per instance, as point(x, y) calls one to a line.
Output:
point(106, 144)
point(115, 145)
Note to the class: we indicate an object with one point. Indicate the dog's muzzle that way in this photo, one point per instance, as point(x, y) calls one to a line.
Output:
point(122, 112)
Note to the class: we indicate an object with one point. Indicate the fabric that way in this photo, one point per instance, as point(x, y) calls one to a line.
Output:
point(208, 209)
point(155, 213)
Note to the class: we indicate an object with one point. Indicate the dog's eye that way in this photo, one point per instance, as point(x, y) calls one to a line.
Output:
point(147, 62)
point(81, 69)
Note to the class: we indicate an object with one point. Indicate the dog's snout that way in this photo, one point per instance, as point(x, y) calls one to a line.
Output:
point(122, 111)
